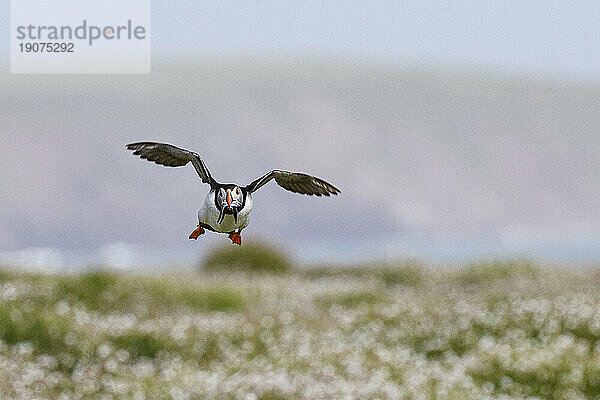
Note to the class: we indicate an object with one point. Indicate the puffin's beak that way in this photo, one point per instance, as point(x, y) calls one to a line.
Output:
point(229, 198)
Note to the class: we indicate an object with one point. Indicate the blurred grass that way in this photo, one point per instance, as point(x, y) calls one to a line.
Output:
point(273, 396)
point(390, 274)
point(220, 320)
point(36, 326)
point(481, 273)
point(34, 319)
point(351, 299)
point(141, 344)
point(105, 291)
point(251, 257)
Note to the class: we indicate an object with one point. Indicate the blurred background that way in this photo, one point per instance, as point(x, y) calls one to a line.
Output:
point(461, 135)
point(455, 132)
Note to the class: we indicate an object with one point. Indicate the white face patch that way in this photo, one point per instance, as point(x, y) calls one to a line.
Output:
point(235, 196)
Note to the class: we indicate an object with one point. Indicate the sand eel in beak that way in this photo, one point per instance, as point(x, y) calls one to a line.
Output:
point(226, 208)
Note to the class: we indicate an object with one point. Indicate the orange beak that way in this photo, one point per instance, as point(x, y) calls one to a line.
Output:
point(229, 198)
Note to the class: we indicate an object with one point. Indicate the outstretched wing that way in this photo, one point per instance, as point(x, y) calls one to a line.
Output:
point(295, 182)
point(171, 156)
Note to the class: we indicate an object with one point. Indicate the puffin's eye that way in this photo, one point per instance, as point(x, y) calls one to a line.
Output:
point(222, 192)
point(238, 191)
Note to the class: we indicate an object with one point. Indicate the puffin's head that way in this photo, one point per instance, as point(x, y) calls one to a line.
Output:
point(230, 199)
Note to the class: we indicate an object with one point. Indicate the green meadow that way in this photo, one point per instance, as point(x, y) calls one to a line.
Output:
point(234, 330)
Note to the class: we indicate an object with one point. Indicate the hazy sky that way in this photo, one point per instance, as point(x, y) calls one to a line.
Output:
point(473, 159)
point(557, 38)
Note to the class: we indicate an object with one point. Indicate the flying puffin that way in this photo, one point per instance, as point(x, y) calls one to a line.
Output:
point(227, 206)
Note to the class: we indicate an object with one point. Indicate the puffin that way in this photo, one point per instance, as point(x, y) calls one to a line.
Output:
point(227, 206)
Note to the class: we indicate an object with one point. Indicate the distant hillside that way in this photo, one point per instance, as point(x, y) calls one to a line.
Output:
point(415, 152)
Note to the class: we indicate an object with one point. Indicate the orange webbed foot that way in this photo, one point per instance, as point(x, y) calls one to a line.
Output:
point(236, 238)
point(197, 232)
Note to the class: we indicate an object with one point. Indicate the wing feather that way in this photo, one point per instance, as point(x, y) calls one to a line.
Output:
point(171, 156)
point(295, 182)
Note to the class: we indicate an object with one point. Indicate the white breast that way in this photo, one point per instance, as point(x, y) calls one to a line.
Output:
point(209, 215)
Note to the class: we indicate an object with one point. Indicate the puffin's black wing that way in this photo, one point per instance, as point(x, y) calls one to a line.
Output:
point(171, 156)
point(295, 182)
